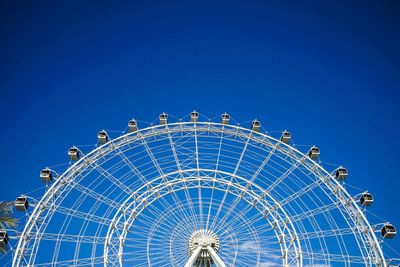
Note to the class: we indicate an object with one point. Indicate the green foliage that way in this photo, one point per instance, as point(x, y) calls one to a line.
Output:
point(7, 221)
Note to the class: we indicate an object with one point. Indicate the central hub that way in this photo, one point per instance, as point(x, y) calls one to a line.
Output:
point(203, 238)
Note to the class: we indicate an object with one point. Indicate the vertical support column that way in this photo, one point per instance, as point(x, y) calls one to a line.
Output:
point(194, 257)
point(217, 260)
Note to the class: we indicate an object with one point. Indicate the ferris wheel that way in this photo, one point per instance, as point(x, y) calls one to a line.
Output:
point(195, 192)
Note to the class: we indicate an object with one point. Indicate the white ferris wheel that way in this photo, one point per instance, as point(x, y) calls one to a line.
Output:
point(195, 192)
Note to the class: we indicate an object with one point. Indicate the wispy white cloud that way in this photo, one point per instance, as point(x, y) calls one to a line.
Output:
point(250, 246)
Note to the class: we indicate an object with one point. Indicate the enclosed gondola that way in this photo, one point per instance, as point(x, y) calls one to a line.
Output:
point(102, 137)
point(314, 152)
point(285, 137)
point(21, 204)
point(255, 125)
point(73, 153)
point(341, 173)
point(388, 231)
point(132, 125)
point(194, 116)
point(46, 175)
point(366, 199)
point(225, 118)
point(3, 238)
point(163, 118)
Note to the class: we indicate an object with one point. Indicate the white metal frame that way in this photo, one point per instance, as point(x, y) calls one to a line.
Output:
point(183, 179)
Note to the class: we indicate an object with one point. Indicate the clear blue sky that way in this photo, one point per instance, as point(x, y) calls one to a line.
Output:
point(328, 71)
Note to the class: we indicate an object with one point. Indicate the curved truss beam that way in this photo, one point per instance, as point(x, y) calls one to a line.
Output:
point(95, 158)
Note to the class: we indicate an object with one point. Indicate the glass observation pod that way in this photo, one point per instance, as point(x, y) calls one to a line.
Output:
point(102, 137)
point(132, 125)
point(225, 118)
point(285, 137)
point(255, 126)
point(341, 173)
point(3, 238)
point(163, 118)
point(366, 199)
point(194, 116)
point(314, 152)
point(73, 153)
point(21, 204)
point(46, 175)
point(388, 231)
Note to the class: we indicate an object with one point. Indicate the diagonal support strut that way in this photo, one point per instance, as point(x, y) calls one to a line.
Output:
point(217, 260)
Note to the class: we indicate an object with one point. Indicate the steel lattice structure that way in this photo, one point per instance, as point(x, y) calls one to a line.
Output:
point(194, 193)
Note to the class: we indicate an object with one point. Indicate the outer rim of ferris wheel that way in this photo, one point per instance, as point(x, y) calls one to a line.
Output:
point(184, 179)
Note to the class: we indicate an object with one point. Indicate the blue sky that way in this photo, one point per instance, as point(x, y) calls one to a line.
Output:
point(328, 71)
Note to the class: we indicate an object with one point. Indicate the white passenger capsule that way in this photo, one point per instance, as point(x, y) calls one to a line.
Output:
point(163, 118)
point(3, 238)
point(194, 116)
point(225, 118)
point(314, 152)
point(366, 199)
point(46, 175)
point(255, 125)
point(285, 137)
point(132, 125)
point(73, 153)
point(341, 173)
point(102, 137)
point(388, 231)
point(21, 204)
